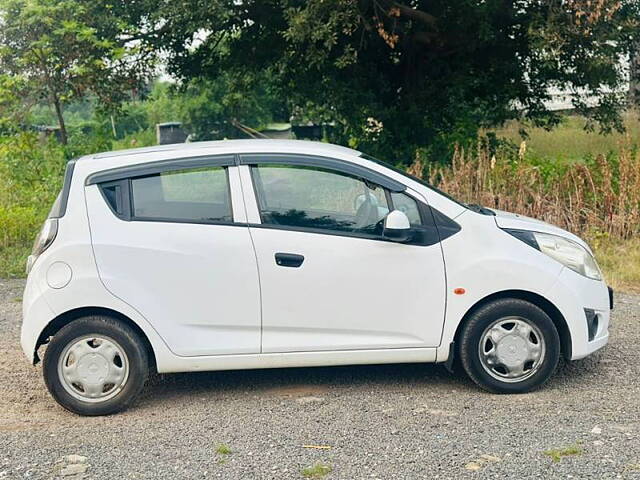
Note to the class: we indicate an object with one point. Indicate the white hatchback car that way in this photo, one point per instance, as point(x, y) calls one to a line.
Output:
point(266, 253)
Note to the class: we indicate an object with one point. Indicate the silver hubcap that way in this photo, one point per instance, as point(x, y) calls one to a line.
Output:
point(93, 369)
point(511, 349)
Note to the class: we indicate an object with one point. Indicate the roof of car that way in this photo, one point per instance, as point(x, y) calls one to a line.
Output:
point(234, 146)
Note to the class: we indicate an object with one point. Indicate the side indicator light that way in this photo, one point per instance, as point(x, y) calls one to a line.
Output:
point(459, 291)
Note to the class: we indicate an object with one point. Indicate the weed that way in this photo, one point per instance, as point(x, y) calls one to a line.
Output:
point(620, 262)
point(223, 449)
point(319, 470)
point(556, 454)
point(600, 197)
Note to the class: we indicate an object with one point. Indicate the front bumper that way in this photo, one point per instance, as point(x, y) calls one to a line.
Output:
point(611, 302)
point(577, 298)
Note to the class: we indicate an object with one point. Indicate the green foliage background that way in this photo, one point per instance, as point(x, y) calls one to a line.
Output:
point(411, 83)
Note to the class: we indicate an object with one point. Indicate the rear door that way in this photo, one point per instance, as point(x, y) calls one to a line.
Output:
point(171, 240)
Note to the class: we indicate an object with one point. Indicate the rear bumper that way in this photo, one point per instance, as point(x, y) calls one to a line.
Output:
point(36, 313)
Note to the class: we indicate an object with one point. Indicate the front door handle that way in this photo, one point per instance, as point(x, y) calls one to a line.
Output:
point(289, 259)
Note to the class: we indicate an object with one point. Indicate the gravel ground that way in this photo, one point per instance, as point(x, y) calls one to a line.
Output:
point(400, 421)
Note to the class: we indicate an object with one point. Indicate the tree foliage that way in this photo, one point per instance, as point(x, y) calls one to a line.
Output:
point(396, 76)
point(213, 109)
point(59, 50)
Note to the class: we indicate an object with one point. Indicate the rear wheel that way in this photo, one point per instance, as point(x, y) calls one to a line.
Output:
point(509, 346)
point(95, 366)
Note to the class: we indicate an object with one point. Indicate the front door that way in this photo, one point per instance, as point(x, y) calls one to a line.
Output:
point(175, 247)
point(329, 281)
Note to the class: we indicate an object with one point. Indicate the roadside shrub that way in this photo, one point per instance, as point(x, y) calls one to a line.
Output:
point(598, 196)
point(100, 139)
point(18, 228)
point(18, 225)
point(141, 138)
point(31, 171)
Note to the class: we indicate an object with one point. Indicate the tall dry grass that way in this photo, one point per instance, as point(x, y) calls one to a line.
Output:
point(597, 199)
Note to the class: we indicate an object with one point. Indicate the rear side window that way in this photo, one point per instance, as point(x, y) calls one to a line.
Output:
point(195, 195)
point(112, 193)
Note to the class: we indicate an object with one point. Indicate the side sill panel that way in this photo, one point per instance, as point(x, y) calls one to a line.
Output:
point(296, 359)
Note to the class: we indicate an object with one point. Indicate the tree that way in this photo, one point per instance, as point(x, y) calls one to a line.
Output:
point(634, 75)
point(214, 109)
point(397, 76)
point(632, 10)
point(63, 49)
point(13, 102)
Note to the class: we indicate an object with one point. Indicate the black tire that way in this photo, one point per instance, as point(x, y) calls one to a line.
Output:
point(126, 338)
point(483, 318)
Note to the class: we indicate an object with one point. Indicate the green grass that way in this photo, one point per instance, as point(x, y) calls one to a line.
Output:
point(223, 449)
point(18, 229)
point(319, 470)
point(556, 454)
point(620, 263)
point(570, 141)
point(13, 261)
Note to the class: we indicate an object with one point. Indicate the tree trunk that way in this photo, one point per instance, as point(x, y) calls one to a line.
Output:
point(634, 81)
point(63, 128)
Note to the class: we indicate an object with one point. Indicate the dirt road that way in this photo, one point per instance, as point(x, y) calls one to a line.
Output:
point(402, 421)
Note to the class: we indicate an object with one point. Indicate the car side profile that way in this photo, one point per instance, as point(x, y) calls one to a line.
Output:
point(244, 254)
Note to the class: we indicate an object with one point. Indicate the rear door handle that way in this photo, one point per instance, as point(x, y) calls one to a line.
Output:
point(289, 260)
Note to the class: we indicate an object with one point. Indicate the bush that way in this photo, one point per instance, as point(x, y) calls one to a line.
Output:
point(18, 228)
point(598, 196)
point(31, 173)
point(142, 138)
point(30, 170)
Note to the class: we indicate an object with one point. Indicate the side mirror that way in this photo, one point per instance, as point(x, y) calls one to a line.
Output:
point(397, 227)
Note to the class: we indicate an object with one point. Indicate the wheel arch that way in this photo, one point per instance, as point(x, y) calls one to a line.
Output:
point(65, 318)
point(537, 300)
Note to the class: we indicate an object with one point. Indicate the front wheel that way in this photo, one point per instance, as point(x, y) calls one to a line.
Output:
point(509, 346)
point(95, 366)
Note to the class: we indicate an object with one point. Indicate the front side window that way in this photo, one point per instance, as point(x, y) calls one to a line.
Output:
point(412, 177)
point(196, 195)
point(316, 198)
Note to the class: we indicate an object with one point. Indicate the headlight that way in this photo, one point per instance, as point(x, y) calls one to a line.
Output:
point(570, 254)
point(45, 238)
